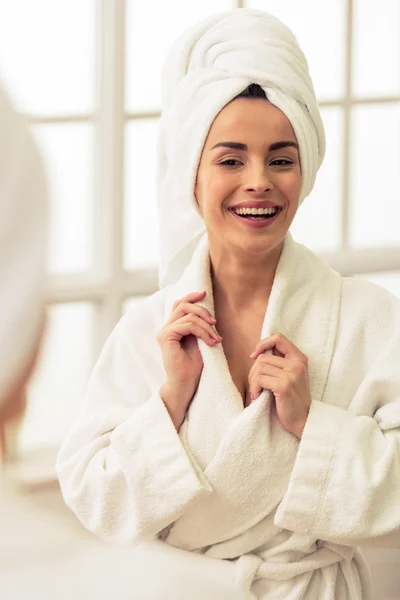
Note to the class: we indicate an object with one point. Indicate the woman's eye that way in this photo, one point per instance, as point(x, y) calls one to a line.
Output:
point(283, 161)
point(228, 162)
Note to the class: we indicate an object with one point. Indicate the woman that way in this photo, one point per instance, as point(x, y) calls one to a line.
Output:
point(260, 460)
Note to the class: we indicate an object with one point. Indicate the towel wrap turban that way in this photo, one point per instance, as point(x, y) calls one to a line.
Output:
point(207, 66)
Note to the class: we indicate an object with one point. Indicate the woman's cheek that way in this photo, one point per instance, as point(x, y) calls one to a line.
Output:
point(291, 186)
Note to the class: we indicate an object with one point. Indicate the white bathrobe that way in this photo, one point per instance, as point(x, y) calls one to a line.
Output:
point(249, 507)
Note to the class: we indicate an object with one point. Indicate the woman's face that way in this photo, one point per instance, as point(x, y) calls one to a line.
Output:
point(239, 165)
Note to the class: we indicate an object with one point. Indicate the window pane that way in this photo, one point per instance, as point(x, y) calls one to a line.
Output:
point(151, 27)
point(60, 379)
point(68, 152)
point(47, 54)
point(375, 185)
point(141, 244)
point(389, 280)
point(376, 47)
point(320, 30)
point(318, 220)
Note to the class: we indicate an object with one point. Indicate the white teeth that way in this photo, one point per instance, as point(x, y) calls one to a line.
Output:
point(255, 211)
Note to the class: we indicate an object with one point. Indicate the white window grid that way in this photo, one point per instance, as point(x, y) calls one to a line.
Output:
point(109, 284)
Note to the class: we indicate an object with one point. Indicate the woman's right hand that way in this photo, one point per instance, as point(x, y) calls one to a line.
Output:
point(180, 352)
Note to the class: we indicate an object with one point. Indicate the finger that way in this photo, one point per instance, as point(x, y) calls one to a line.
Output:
point(277, 361)
point(282, 344)
point(192, 318)
point(181, 329)
point(266, 382)
point(266, 371)
point(289, 365)
point(192, 297)
point(278, 341)
point(256, 364)
point(185, 308)
point(256, 386)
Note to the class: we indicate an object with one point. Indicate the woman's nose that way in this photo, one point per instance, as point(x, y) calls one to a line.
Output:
point(258, 180)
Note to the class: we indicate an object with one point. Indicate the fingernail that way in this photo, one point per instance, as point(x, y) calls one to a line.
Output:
point(252, 354)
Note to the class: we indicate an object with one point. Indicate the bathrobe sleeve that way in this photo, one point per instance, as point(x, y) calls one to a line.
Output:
point(345, 485)
point(123, 470)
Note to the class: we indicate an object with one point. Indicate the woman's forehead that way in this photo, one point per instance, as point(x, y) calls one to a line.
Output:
point(244, 119)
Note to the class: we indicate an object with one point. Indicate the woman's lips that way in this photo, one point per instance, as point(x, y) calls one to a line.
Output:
point(255, 223)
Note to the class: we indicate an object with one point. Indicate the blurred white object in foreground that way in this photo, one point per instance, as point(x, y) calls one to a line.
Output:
point(23, 237)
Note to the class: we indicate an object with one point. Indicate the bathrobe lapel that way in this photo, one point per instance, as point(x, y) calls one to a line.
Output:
point(245, 453)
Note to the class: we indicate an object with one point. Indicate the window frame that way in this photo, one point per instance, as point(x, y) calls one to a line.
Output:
point(108, 285)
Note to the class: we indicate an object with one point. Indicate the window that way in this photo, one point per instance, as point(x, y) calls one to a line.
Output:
point(90, 85)
point(356, 198)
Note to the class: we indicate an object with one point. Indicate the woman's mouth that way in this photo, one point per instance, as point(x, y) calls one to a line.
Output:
point(257, 220)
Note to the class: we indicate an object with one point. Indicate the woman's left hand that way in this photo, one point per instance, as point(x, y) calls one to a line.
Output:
point(285, 374)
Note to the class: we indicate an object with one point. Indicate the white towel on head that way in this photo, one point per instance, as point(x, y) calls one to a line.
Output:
point(22, 245)
point(208, 65)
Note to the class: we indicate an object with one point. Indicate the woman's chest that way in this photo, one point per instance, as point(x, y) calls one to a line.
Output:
point(238, 342)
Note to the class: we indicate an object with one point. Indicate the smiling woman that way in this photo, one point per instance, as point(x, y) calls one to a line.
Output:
point(261, 170)
point(240, 426)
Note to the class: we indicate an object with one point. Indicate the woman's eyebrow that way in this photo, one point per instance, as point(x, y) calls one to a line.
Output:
point(240, 146)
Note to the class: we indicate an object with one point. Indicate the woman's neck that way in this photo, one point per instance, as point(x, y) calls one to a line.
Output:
point(242, 284)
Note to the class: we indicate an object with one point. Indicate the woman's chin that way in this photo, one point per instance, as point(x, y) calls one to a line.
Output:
point(248, 242)
point(250, 245)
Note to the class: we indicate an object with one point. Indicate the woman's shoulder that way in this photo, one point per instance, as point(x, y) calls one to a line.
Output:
point(140, 325)
point(368, 293)
point(370, 302)
point(135, 334)
point(145, 314)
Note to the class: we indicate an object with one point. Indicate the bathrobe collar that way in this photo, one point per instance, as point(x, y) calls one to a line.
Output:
point(304, 302)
